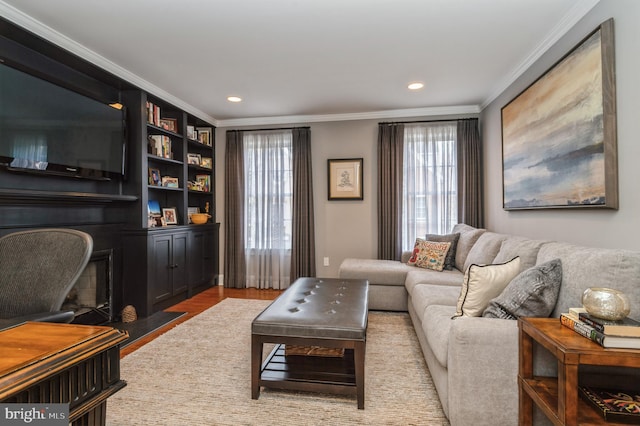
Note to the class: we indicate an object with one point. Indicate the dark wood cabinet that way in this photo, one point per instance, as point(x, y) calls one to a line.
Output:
point(168, 265)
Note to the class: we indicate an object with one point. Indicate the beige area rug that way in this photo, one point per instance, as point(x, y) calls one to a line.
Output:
point(198, 373)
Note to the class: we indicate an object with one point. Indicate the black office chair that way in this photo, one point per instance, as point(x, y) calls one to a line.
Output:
point(38, 268)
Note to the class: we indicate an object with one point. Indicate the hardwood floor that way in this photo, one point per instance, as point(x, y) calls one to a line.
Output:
point(199, 303)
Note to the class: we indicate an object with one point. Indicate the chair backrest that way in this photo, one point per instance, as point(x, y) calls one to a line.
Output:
point(39, 267)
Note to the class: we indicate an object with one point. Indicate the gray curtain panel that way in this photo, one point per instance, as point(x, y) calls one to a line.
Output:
point(390, 152)
point(470, 174)
point(303, 245)
point(234, 258)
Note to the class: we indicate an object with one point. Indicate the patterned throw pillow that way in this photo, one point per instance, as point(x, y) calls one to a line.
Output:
point(450, 260)
point(429, 254)
point(482, 283)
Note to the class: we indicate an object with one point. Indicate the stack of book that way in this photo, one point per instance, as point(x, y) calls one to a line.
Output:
point(622, 334)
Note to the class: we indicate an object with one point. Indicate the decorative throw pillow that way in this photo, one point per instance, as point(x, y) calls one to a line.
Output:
point(450, 260)
point(429, 254)
point(482, 283)
point(533, 293)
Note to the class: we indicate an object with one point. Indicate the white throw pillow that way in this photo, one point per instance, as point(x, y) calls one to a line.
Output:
point(483, 283)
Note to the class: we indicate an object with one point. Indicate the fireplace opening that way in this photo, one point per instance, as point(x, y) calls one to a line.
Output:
point(90, 298)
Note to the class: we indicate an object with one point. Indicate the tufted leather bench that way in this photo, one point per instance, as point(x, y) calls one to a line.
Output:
point(324, 312)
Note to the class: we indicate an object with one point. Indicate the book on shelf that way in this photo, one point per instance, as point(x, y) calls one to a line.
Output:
point(600, 338)
point(614, 405)
point(626, 327)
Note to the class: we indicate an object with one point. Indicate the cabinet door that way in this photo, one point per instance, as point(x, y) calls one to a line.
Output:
point(161, 286)
point(179, 266)
point(196, 258)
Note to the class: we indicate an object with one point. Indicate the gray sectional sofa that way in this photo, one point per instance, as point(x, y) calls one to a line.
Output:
point(474, 360)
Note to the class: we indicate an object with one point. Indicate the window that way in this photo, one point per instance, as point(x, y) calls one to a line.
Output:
point(430, 195)
point(268, 174)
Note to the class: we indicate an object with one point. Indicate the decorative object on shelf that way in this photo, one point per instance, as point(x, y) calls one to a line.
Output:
point(170, 182)
point(194, 159)
point(606, 303)
point(129, 314)
point(614, 405)
point(206, 162)
point(204, 135)
point(345, 179)
point(170, 124)
point(170, 215)
point(559, 135)
point(154, 177)
point(195, 186)
point(191, 133)
point(206, 207)
point(205, 181)
point(200, 218)
point(192, 210)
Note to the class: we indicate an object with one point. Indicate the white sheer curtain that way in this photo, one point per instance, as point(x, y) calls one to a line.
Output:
point(268, 207)
point(430, 200)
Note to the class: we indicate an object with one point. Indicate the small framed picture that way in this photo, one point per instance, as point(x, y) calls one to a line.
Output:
point(345, 179)
point(206, 162)
point(194, 159)
point(170, 215)
point(191, 133)
point(154, 208)
point(170, 124)
point(192, 210)
point(154, 177)
point(170, 182)
point(204, 135)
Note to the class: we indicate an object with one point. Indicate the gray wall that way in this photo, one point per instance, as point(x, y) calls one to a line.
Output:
point(593, 227)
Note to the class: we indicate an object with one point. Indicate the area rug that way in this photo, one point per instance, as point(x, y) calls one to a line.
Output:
point(198, 373)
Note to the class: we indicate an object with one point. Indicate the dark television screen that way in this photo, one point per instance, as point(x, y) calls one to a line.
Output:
point(47, 128)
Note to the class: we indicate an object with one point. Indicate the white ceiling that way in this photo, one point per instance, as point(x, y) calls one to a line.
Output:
point(307, 60)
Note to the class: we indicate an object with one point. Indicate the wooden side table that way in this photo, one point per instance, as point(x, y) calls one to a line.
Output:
point(558, 397)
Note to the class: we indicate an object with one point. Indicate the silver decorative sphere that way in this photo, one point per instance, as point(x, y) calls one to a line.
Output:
point(606, 303)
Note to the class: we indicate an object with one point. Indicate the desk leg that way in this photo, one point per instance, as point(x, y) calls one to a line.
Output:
point(525, 412)
point(358, 358)
point(256, 365)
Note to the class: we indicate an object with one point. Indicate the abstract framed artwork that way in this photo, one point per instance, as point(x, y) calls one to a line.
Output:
point(559, 143)
point(345, 179)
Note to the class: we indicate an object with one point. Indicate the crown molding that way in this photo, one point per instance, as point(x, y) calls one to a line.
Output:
point(577, 12)
point(374, 115)
point(38, 28)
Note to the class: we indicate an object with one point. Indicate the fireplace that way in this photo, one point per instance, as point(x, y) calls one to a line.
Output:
point(91, 296)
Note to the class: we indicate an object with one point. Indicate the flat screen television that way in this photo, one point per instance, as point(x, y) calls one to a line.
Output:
point(48, 129)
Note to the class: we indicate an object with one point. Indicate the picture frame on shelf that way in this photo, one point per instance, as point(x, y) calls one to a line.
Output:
point(191, 132)
point(154, 177)
point(170, 215)
point(170, 182)
point(204, 135)
point(153, 208)
point(192, 210)
point(170, 124)
point(206, 162)
point(345, 179)
point(194, 159)
point(205, 181)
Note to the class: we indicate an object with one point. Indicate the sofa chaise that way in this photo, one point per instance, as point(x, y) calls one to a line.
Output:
point(473, 360)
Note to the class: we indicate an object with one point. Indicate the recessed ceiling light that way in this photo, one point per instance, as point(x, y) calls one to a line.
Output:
point(234, 99)
point(415, 86)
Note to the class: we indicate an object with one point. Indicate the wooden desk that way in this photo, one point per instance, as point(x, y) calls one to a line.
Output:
point(62, 363)
point(558, 397)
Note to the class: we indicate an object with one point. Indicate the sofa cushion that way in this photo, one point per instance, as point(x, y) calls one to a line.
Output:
point(425, 276)
point(436, 325)
point(429, 254)
point(584, 267)
point(484, 251)
point(533, 293)
point(468, 237)
point(426, 295)
point(482, 283)
point(525, 248)
point(450, 260)
point(388, 272)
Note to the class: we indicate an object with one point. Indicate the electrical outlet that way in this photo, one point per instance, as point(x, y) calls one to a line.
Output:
point(326, 261)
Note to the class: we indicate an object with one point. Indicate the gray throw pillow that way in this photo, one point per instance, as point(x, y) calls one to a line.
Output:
point(450, 259)
point(533, 293)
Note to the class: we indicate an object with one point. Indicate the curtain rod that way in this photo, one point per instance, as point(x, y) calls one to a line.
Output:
point(427, 121)
point(264, 130)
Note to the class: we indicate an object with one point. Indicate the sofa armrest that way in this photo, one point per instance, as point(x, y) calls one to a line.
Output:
point(482, 367)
